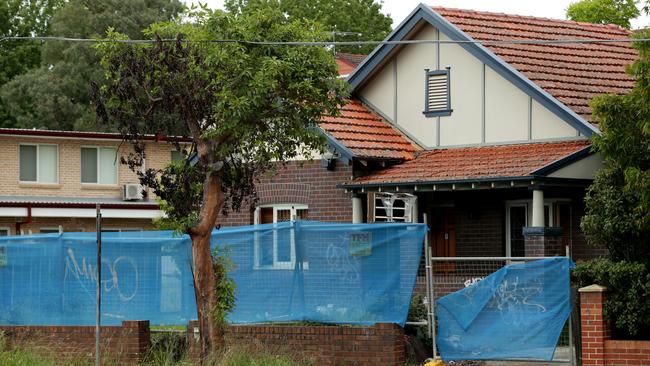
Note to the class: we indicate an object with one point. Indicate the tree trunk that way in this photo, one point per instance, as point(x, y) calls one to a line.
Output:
point(211, 333)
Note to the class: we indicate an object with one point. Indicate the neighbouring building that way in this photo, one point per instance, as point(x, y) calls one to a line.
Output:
point(52, 180)
point(489, 141)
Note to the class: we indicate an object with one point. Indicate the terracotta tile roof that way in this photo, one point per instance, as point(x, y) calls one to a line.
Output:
point(353, 59)
point(348, 61)
point(366, 134)
point(572, 73)
point(502, 161)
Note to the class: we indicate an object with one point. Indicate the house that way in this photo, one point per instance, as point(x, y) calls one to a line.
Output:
point(488, 140)
point(52, 181)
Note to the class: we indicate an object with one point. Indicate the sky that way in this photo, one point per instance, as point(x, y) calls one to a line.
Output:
point(399, 9)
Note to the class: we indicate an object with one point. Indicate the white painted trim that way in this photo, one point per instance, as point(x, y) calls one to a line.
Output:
point(7, 229)
point(277, 264)
point(109, 213)
point(528, 203)
point(38, 163)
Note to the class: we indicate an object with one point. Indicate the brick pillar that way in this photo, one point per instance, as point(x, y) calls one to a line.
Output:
point(543, 241)
point(594, 327)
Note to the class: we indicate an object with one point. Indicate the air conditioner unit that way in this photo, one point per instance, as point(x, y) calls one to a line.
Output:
point(132, 192)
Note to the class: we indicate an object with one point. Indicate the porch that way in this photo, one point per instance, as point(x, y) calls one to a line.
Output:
point(515, 200)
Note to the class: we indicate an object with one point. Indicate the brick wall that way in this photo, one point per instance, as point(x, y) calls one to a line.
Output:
point(597, 346)
point(125, 344)
point(302, 182)
point(74, 224)
point(580, 249)
point(69, 184)
point(381, 344)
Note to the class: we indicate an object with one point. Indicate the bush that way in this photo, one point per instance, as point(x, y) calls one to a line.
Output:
point(167, 349)
point(627, 305)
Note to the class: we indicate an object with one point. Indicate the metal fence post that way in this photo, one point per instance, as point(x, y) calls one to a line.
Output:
point(431, 313)
point(98, 320)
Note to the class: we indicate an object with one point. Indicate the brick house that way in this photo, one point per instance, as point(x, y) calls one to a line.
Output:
point(489, 140)
point(53, 179)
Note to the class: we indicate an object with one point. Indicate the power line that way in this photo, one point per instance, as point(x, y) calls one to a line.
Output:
point(335, 43)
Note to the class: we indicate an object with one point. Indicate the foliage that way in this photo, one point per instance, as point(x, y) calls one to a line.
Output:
point(628, 299)
point(259, 355)
point(355, 16)
point(246, 108)
point(224, 285)
point(256, 105)
point(21, 18)
point(35, 355)
point(168, 349)
point(56, 95)
point(418, 312)
point(618, 202)
point(618, 12)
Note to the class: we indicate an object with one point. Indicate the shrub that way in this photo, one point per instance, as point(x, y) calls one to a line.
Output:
point(627, 305)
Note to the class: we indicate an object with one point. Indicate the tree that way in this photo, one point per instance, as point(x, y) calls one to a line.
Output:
point(363, 18)
point(618, 202)
point(21, 18)
point(246, 107)
point(618, 12)
point(56, 95)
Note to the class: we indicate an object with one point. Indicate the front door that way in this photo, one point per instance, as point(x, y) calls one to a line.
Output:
point(443, 232)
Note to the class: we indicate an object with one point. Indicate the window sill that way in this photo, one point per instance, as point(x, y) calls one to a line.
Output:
point(39, 185)
point(102, 187)
point(443, 113)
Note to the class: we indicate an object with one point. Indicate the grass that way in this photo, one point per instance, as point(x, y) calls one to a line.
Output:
point(168, 349)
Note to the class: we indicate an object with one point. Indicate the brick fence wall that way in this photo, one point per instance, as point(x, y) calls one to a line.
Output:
point(125, 344)
point(382, 344)
point(597, 346)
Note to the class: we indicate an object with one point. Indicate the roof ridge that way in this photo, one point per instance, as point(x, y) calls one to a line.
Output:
point(528, 17)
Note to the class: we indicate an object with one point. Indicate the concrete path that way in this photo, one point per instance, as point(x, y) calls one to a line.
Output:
point(561, 353)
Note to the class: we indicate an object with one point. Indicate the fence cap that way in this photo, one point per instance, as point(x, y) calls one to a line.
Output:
point(593, 288)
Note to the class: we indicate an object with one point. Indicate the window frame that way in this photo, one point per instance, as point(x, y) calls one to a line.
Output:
point(58, 229)
point(409, 209)
point(6, 229)
point(549, 203)
point(38, 163)
point(114, 229)
point(117, 166)
point(277, 264)
point(438, 112)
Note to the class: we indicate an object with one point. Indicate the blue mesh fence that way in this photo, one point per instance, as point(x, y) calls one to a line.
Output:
point(286, 272)
point(517, 312)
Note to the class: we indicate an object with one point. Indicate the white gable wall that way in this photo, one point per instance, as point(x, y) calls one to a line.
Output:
point(487, 108)
point(410, 87)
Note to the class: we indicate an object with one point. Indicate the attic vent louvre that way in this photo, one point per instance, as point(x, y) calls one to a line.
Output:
point(437, 96)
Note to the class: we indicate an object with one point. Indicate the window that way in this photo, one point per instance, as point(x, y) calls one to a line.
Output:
point(278, 252)
point(4, 231)
point(177, 155)
point(50, 230)
point(99, 165)
point(391, 207)
point(119, 230)
point(519, 214)
point(437, 96)
point(39, 163)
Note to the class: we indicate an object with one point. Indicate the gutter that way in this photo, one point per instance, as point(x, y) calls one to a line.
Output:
point(538, 178)
point(30, 205)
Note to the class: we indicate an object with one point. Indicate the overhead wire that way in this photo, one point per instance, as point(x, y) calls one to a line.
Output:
point(335, 43)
